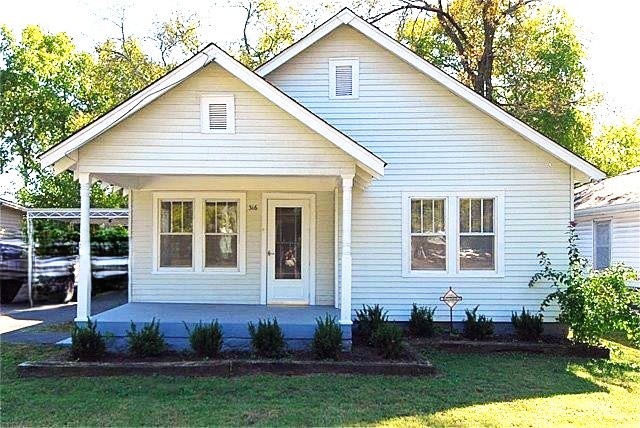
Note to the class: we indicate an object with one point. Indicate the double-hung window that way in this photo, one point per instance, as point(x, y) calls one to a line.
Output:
point(204, 232)
point(428, 235)
point(221, 234)
point(601, 244)
point(456, 233)
point(477, 245)
point(176, 234)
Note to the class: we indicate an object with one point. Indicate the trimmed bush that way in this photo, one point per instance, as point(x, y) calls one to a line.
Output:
point(148, 342)
point(477, 327)
point(206, 339)
point(368, 320)
point(421, 321)
point(388, 340)
point(86, 342)
point(327, 339)
point(267, 338)
point(528, 327)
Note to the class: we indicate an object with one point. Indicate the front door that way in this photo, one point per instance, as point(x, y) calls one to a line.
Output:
point(288, 257)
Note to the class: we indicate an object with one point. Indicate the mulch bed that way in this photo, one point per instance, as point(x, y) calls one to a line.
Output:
point(548, 345)
point(362, 360)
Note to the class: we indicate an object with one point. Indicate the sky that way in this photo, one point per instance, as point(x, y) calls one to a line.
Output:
point(609, 30)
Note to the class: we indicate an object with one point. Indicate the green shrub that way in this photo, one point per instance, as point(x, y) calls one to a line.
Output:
point(148, 342)
point(421, 321)
point(327, 339)
point(206, 339)
point(86, 342)
point(267, 338)
point(528, 327)
point(477, 327)
point(388, 340)
point(368, 320)
point(592, 303)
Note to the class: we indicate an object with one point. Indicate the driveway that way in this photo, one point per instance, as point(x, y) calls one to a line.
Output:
point(49, 323)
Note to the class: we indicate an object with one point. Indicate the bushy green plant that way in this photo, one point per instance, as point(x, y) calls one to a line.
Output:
point(477, 327)
point(593, 303)
point(148, 342)
point(87, 343)
point(206, 339)
point(368, 320)
point(421, 321)
point(387, 338)
point(267, 338)
point(528, 327)
point(327, 339)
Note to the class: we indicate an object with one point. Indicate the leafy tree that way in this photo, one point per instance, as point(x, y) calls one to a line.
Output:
point(617, 148)
point(269, 27)
point(523, 57)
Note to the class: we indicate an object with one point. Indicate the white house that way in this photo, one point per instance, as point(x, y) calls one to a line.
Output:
point(607, 215)
point(345, 171)
point(11, 217)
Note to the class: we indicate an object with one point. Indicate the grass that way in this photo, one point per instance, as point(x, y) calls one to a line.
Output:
point(63, 327)
point(473, 390)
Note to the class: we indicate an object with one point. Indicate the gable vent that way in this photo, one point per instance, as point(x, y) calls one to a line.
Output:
point(344, 80)
point(217, 117)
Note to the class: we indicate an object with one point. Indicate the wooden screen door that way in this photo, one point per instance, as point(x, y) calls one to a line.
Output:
point(288, 257)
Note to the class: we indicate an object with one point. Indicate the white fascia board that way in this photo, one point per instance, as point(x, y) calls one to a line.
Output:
point(349, 18)
point(373, 164)
point(127, 108)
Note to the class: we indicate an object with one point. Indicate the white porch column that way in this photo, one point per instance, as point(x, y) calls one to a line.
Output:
point(345, 284)
point(84, 265)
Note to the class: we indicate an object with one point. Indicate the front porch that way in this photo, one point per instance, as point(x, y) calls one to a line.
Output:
point(298, 323)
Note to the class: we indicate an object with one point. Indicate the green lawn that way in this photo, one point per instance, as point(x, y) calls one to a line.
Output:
point(473, 390)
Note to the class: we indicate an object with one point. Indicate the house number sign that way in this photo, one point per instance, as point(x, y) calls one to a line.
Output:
point(450, 298)
point(253, 207)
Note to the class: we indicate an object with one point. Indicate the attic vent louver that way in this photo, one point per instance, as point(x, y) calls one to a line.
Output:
point(218, 113)
point(217, 117)
point(343, 78)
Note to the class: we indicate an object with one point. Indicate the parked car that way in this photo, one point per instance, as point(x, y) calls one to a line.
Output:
point(54, 277)
point(13, 268)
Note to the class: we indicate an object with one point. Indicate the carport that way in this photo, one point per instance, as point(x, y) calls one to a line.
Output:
point(111, 216)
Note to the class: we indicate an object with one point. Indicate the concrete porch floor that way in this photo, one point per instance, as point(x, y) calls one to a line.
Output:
point(298, 323)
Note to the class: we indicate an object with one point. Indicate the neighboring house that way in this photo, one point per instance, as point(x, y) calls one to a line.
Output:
point(607, 215)
point(11, 217)
point(346, 171)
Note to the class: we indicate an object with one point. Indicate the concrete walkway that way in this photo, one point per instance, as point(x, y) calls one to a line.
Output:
point(21, 324)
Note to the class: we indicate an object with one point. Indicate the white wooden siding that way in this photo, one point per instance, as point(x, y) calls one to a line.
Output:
point(166, 137)
point(10, 221)
point(433, 142)
point(210, 287)
point(625, 237)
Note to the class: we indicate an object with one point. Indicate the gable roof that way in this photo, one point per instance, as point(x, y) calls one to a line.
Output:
point(348, 17)
point(614, 194)
point(366, 159)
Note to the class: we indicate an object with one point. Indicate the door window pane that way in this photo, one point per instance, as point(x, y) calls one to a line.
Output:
point(288, 242)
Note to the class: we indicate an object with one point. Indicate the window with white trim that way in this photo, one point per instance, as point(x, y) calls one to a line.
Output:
point(428, 235)
point(176, 234)
point(477, 240)
point(217, 114)
point(601, 244)
point(221, 234)
point(344, 78)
